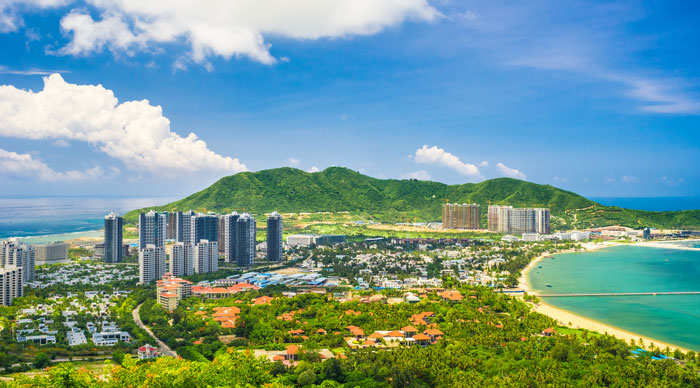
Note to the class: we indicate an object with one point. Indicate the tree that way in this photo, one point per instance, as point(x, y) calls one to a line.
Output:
point(277, 368)
point(118, 356)
point(307, 377)
point(5, 361)
point(41, 361)
point(332, 370)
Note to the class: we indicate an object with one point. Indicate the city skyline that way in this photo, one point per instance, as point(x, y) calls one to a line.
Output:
point(600, 99)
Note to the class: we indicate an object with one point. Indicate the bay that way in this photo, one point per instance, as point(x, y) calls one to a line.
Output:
point(670, 318)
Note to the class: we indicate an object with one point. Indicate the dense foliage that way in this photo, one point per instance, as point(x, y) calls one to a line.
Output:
point(490, 340)
point(340, 189)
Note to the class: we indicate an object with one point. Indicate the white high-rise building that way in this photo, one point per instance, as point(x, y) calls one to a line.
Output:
point(182, 259)
point(507, 219)
point(542, 220)
point(152, 229)
point(14, 253)
point(206, 256)
point(151, 263)
point(229, 224)
point(11, 284)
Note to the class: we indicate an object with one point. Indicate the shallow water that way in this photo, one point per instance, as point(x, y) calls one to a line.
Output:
point(670, 318)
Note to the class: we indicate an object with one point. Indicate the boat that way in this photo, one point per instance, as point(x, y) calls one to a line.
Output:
point(548, 285)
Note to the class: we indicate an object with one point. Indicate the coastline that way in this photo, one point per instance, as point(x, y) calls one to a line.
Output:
point(576, 321)
point(69, 237)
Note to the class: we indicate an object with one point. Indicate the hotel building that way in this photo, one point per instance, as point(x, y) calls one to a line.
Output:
point(461, 216)
point(151, 263)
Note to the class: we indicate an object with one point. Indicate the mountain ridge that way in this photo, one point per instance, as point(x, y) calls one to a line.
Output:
point(290, 190)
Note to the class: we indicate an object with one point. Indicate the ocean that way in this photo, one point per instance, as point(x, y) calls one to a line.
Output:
point(657, 204)
point(669, 318)
point(60, 218)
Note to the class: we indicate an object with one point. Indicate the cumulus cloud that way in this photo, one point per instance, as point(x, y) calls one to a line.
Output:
point(60, 143)
point(421, 175)
point(229, 28)
point(314, 169)
point(24, 165)
point(484, 163)
point(510, 172)
point(294, 161)
point(134, 132)
point(436, 155)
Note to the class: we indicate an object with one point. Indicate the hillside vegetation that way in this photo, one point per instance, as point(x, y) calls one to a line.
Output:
point(289, 190)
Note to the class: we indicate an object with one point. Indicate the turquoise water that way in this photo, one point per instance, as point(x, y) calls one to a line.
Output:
point(673, 318)
point(21, 217)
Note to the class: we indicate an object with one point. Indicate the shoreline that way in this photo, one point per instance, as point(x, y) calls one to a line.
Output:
point(576, 321)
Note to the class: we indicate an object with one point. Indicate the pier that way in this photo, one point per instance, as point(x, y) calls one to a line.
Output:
point(623, 294)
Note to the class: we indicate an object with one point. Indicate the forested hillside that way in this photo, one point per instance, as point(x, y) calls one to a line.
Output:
point(337, 189)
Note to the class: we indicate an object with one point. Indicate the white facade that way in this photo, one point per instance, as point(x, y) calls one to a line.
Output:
point(532, 237)
point(507, 219)
point(151, 263)
point(206, 257)
point(11, 284)
point(76, 338)
point(14, 253)
point(303, 240)
point(182, 259)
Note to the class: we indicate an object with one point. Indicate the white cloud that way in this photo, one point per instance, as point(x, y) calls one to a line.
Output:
point(314, 169)
point(60, 143)
point(30, 71)
point(23, 165)
point(421, 175)
point(134, 132)
point(629, 179)
point(662, 96)
point(672, 181)
point(294, 161)
point(435, 155)
point(484, 163)
point(510, 172)
point(10, 11)
point(230, 28)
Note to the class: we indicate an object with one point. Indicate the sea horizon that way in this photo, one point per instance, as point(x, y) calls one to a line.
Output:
point(26, 217)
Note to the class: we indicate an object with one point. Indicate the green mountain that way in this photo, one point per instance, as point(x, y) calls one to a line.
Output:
point(340, 189)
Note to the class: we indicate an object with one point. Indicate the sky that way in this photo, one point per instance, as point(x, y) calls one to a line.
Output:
point(164, 97)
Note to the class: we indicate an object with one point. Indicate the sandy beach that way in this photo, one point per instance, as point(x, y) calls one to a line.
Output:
point(567, 318)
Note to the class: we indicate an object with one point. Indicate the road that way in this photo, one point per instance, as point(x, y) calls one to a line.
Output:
point(164, 349)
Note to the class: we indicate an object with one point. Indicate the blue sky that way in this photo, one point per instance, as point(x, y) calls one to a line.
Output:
point(598, 98)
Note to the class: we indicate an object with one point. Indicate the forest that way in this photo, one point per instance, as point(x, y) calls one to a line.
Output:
point(490, 340)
